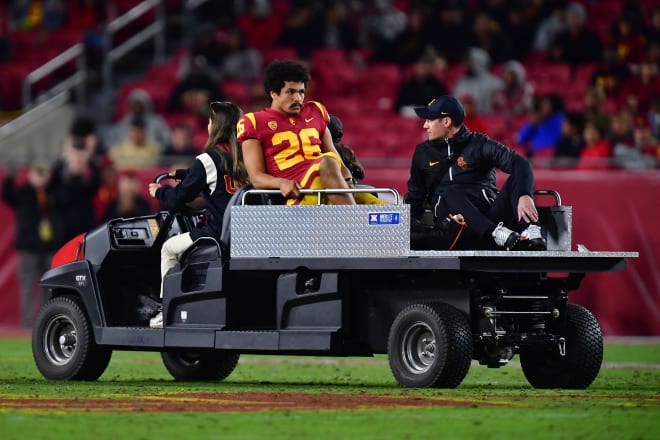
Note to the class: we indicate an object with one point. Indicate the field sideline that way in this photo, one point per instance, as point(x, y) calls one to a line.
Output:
point(315, 397)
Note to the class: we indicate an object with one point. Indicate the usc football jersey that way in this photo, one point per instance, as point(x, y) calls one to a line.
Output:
point(291, 144)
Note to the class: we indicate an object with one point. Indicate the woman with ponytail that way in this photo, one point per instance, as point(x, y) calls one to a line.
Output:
point(215, 174)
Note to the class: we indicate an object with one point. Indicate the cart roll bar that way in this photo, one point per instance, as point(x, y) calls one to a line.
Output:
point(549, 192)
point(320, 192)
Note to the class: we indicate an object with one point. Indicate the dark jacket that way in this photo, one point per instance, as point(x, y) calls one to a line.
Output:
point(75, 195)
point(29, 216)
point(467, 159)
point(208, 177)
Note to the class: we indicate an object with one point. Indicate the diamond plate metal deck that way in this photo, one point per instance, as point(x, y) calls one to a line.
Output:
point(320, 231)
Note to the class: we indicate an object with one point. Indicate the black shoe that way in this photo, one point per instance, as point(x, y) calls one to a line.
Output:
point(532, 239)
point(506, 238)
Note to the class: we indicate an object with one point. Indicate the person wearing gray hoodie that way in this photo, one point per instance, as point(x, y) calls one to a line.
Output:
point(139, 103)
point(478, 82)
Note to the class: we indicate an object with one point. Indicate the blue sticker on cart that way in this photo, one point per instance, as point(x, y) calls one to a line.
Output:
point(384, 218)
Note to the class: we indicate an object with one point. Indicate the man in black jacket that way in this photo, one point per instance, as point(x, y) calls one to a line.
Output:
point(454, 172)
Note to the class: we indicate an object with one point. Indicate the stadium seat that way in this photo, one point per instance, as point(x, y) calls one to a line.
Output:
point(163, 73)
point(278, 53)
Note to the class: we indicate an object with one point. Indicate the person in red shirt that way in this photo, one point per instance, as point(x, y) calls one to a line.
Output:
point(597, 150)
point(288, 146)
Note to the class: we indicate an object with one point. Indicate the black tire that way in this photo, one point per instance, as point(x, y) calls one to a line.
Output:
point(63, 345)
point(430, 346)
point(190, 365)
point(546, 368)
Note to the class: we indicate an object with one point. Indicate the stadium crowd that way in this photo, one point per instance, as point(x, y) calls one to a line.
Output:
point(543, 76)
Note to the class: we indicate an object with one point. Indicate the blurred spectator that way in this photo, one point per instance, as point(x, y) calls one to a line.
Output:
point(639, 147)
point(259, 23)
point(241, 61)
point(422, 86)
point(595, 103)
point(337, 30)
point(451, 33)
point(638, 90)
point(610, 73)
point(83, 137)
point(570, 143)
point(520, 29)
point(180, 146)
point(653, 33)
point(139, 104)
point(108, 189)
point(33, 14)
point(195, 91)
point(540, 134)
point(472, 119)
point(645, 142)
point(628, 40)
point(621, 129)
point(412, 43)
point(5, 48)
point(597, 149)
point(517, 96)
point(38, 233)
point(137, 150)
point(303, 28)
point(550, 27)
point(654, 116)
point(128, 203)
point(206, 44)
point(380, 29)
point(634, 10)
point(577, 44)
point(478, 81)
point(653, 52)
point(487, 34)
point(76, 178)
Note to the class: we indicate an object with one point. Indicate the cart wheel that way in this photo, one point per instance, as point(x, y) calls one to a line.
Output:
point(430, 346)
point(546, 368)
point(63, 345)
point(200, 365)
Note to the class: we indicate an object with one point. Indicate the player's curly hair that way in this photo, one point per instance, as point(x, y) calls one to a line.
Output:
point(224, 117)
point(280, 71)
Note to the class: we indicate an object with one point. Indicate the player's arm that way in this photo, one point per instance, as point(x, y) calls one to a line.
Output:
point(328, 146)
point(255, 165)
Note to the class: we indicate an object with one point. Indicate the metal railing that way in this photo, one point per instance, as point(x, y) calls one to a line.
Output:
point(111, 55)
point(76, 80)
point(38, 133)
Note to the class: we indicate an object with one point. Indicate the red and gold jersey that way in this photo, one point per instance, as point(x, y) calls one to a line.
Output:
point(291, 144)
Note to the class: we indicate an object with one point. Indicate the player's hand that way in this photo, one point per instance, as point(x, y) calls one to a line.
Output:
point(290, 189)
point(527, 210)
point(153, 187)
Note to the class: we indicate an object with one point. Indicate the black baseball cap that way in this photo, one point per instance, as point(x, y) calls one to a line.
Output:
point(442, 107)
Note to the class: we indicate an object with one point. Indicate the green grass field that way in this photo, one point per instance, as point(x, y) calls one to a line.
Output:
point(623, 402)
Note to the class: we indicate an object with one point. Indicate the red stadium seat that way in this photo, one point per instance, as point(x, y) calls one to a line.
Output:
point(278, 53)
point(163, 73)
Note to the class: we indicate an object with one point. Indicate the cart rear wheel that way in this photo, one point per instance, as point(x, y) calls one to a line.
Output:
point(190, 365)
point(430, 346)
point(545, 368)
point(63, 345)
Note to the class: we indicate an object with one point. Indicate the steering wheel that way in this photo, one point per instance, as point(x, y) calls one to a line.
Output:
point(185, 210)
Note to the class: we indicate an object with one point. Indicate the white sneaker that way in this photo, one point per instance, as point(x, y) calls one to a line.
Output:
point(532, 238)
point(157, 321)
point(505, 237)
